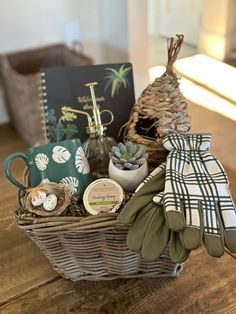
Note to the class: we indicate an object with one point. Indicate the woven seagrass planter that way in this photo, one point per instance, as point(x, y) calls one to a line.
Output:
point(160, 110)
point(90, 248)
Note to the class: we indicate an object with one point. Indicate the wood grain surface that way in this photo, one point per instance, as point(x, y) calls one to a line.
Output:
point(30, 285)
point(22, 265)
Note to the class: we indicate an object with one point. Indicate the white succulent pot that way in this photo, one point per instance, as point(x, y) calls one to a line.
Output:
point(128, 179)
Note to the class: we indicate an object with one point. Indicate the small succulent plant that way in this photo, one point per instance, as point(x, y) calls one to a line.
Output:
point(128, 156)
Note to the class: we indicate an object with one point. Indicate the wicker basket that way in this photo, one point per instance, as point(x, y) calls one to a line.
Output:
point(91, 248)
point(20, 79)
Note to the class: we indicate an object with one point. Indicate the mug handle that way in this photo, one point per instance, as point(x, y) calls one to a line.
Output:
point(7, 168)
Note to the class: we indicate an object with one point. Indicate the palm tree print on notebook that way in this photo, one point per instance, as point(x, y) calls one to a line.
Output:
point(65, 86)
point(117, 78)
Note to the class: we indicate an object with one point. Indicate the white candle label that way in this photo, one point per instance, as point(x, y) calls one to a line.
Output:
point(103, 195)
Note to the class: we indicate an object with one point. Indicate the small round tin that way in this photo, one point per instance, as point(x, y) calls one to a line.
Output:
point(103, 196)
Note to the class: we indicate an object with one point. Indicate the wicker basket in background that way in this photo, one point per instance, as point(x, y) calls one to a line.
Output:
point(20, 80)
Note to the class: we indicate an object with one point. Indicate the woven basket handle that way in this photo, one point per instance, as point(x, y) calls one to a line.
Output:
point(7, 168)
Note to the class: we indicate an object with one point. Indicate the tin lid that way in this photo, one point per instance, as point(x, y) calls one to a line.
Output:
point(103, 196)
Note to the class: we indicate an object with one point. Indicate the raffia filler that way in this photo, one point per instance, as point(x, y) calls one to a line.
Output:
point(160, 110)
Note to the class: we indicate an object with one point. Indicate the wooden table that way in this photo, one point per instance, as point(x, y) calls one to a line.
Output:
point(30, 285)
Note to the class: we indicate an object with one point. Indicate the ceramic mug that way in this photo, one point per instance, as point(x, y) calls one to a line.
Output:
point(62, 162)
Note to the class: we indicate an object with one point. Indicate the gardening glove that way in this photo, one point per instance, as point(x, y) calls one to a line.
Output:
point(197, 200)
point(144, 193)
point(140, 210)
point(178, 253)
point(149, 233)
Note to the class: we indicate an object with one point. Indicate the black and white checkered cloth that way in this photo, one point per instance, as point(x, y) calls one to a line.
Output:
point(196, 188)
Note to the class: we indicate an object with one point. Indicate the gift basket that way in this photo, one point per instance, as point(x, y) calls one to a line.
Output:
point(91, 248)
point(102, 210)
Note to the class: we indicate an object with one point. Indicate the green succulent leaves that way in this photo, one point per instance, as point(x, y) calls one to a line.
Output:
point(128, 156)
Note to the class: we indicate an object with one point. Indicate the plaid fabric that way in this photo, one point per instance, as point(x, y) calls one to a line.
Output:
point(195, 179)
point(158, 198)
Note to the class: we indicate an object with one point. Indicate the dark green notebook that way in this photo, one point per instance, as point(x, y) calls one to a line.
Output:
point(64, 87)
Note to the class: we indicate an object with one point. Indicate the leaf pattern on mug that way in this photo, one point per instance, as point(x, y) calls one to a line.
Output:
point(81, 162)
point(71, 182)
point(60, 154)
point(41, 161)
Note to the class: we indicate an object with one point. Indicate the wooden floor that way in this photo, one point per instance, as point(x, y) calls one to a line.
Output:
point(28, 284)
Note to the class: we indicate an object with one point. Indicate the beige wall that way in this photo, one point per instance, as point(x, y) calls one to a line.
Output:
point(154, 17)
point(114, 30)
point(167, 18)
point(138, 42)
point(31, 23)
point(217, 37)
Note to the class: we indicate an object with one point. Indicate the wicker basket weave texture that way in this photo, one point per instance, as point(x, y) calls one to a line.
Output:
point(99, 254)
point(95, 251)
point(20, 80)
point(89, 248)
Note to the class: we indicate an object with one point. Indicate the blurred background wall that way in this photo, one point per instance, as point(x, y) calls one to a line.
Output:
point(100, 25)
point(31, 23)
point(120, 30)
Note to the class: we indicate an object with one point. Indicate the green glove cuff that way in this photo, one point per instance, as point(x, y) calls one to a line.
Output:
point(142, 197)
